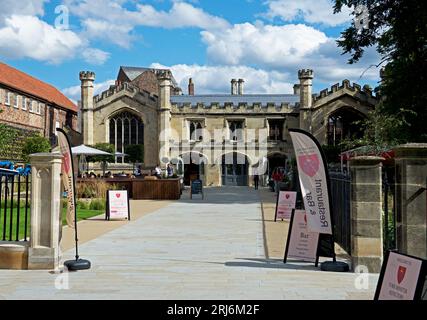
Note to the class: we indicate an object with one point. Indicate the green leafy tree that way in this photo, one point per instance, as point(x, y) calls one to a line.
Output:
point(398, 29)
point(135, 152)
point(34, 144)
point(107, 147)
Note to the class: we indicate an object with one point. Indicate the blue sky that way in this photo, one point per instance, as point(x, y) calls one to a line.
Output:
point(265, 42)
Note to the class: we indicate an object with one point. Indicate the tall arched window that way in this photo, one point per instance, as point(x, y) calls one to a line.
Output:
point(196, 131)
point(125, 129)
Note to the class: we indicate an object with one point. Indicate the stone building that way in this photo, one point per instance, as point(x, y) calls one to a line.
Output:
point(30, 104)
point(220, 138)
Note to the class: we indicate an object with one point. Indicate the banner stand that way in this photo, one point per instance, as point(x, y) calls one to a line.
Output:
point(288, 240)
point(334, 265)
point(77, 264)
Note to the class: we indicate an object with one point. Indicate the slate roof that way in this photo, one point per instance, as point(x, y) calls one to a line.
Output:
point(133, 72)
point(263, 99)
point(21, 81)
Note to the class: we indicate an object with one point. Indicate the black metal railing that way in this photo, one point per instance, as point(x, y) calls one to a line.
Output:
point(14, 206)
point(389, 209)
point(341, 199)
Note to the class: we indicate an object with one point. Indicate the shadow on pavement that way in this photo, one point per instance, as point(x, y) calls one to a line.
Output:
point(272, 264)
point(222, 195)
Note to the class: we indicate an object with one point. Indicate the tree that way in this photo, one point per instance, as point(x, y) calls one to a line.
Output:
point(135, 152)
point(34, 144)
point(107, 147)
point(398, 29)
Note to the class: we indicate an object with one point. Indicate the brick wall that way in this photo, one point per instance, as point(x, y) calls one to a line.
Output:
point(32, 114)
point(147, 81)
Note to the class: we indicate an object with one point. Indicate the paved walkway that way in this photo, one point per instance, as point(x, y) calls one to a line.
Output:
point(190, 249)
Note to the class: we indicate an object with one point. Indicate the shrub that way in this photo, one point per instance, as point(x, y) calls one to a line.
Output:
point(83, 205)
point(97, 204)
point(92, 189)
point(34, 144)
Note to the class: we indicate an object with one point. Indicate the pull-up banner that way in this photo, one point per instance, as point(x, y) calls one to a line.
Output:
point(313, 181)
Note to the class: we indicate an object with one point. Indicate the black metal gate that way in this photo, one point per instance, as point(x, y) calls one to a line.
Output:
point(341, 199)
point(389, 212)
point(14, 206)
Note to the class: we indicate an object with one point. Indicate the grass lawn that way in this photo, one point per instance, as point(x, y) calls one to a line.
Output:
point(81, 215)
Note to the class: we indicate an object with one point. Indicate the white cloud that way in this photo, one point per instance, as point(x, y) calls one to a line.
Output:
point(28, 36)
point(216, 79)
point(181, 15)
point(74, 92)
point(263, 44)
point(286, 49)
point(113, 21)
point(319, 11)
point(21, 7)
point(95, 56)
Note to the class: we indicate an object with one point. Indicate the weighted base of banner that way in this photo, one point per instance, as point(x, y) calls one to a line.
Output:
point(334, 266)
point(80, 264)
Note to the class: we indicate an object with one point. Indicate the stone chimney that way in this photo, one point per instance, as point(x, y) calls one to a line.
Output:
point(233, 86)
point(87, 78)
point(296, 89)
point(190, 87)
point(305, 77)
point(240, 86)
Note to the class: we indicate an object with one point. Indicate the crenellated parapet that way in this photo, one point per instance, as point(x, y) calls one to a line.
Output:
point(232, 108)
point(345, 85)
point(235, 103)
point(305, 74)
point(164, 75)
point(124, 86)
point(87, 76)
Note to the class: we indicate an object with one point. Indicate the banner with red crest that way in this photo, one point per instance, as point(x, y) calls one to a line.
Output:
point(313, 180)
point(67, 174)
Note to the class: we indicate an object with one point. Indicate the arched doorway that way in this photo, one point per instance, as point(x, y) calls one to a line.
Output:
point(342, 124)
point(276, 160)
point(126, 129)
point(234, 169)
point(194, 166)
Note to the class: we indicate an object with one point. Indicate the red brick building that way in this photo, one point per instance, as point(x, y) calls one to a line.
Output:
point(31, 104)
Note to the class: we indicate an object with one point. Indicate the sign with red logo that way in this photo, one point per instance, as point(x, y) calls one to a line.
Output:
point(118, 204)
point(67, 176)
point(402, 277)
point(285, 203)
point(302, 244)
point(313, 181)
point(309, 164)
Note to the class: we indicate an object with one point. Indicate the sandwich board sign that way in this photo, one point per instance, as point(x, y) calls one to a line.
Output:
point(402, 277)
point(302, 244)
point(284, 204)
point(117, 205)
point(196, 188)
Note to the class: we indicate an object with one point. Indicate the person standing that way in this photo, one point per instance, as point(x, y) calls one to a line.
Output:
point(256, 179)
point(170, 170)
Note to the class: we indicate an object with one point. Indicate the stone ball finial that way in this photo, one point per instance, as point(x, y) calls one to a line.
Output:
point(305, 74)
point(87, 75)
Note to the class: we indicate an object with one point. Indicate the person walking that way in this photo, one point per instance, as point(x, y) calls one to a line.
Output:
point(256, 179)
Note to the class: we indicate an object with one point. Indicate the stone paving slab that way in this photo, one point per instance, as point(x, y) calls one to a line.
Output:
point(190, 249)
